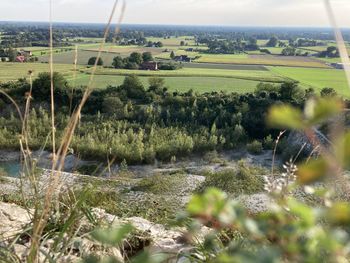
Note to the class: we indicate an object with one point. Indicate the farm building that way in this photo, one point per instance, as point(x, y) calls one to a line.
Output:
point(149, 66)
point(25, 53)
point(20, 59)
point(183, 58)
point(338, 65)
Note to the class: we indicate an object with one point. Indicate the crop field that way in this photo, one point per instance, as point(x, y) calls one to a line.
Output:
point(224, 66)
point(316, 78)
point(256, 75)
point(83, 57)
point(14, 71)
point(182, 84)
point(268, 60)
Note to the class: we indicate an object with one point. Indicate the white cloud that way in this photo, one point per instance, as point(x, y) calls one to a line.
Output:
point(218, 12)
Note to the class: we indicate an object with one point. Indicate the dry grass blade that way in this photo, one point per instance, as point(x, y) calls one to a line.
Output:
point(52, 88)
point(340, 40)
point(40, 222)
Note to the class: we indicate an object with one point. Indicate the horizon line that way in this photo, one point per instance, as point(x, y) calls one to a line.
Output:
point(174, 25)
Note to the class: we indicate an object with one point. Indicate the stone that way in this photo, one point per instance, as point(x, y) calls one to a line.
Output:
point(12, 220)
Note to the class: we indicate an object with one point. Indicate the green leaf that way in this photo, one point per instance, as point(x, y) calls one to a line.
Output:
point(343, 150)
point(339, 214)
point(312, 172)
point(320, 110)
point(210, 203)
point(113, 236)
point(285, 117)
point(304, 212)
point(146, 257)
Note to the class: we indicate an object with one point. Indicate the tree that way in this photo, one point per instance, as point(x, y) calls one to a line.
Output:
point(118, 62)
point(135, 57)
point(289, 51)
point(133, 87)
point(42, 85)
point(182, 43)
point(328, 92)
point(147, 56)
point(92, 61)
point(112, 105)
point(156, 85)
point(172, 55)
point(272, 42)
point(159, 44)
point(12, 54)
point(291, 91)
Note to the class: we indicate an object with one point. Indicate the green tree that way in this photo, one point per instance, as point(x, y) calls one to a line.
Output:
point(172, 55)
point(112, 105)
point(328, 92)
point(134, 87)
point(147, 56)
point(92, 61)
point(42, 85)
point(118, 62)
point(182, 43)
point(135, 57)
point(273, 41)
point(12, 54)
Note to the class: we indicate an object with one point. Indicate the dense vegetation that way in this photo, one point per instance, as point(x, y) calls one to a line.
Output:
point(140, 125)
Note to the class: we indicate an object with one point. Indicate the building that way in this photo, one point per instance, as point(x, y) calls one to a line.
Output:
point(149, 65)
point(183, 58)
point(338, 65)
point(4, 59)
point(25, 53)
point(21, 59)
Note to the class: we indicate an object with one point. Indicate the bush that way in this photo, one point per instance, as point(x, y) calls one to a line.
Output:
point(255, 147)
point(269, 143)
point(246, 180)
point(160, 184)
point(92, 61)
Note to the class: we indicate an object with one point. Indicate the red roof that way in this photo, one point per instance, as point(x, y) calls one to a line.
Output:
point(20, 59)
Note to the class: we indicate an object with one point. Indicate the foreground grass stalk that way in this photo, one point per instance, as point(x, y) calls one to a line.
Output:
point(59, 157)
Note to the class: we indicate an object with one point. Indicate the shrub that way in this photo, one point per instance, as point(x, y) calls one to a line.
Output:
point(269, 143)
point(160, 184)
point(246, 180)
point(92, 61)
point(255, 147)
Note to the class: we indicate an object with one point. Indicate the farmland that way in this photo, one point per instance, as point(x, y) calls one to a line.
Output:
point(316, 78)
point(181, 84)
point(229, 72)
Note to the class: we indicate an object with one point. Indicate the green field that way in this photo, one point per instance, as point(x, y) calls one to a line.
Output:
point(183, 84)
point(268, 60)
point(256, 75)
point(14, 71)
point(316, 78)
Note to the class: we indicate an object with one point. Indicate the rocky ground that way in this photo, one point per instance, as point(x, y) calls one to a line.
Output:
point(14, 218)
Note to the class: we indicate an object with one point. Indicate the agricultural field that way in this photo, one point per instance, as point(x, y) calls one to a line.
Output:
point(182, 84)
point(268, 60)
point(14, 71)
point(316, 78)
point(256, 75)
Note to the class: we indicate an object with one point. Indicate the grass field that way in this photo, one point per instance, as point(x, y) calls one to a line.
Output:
point(182, 84)
point(14, 71)
point(316, 78)
point(268, 60)
point(256, 75)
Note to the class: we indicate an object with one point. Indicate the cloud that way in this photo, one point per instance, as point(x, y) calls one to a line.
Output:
point(218, 12)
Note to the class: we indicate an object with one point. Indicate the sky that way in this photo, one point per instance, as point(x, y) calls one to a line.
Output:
point(182, 12)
